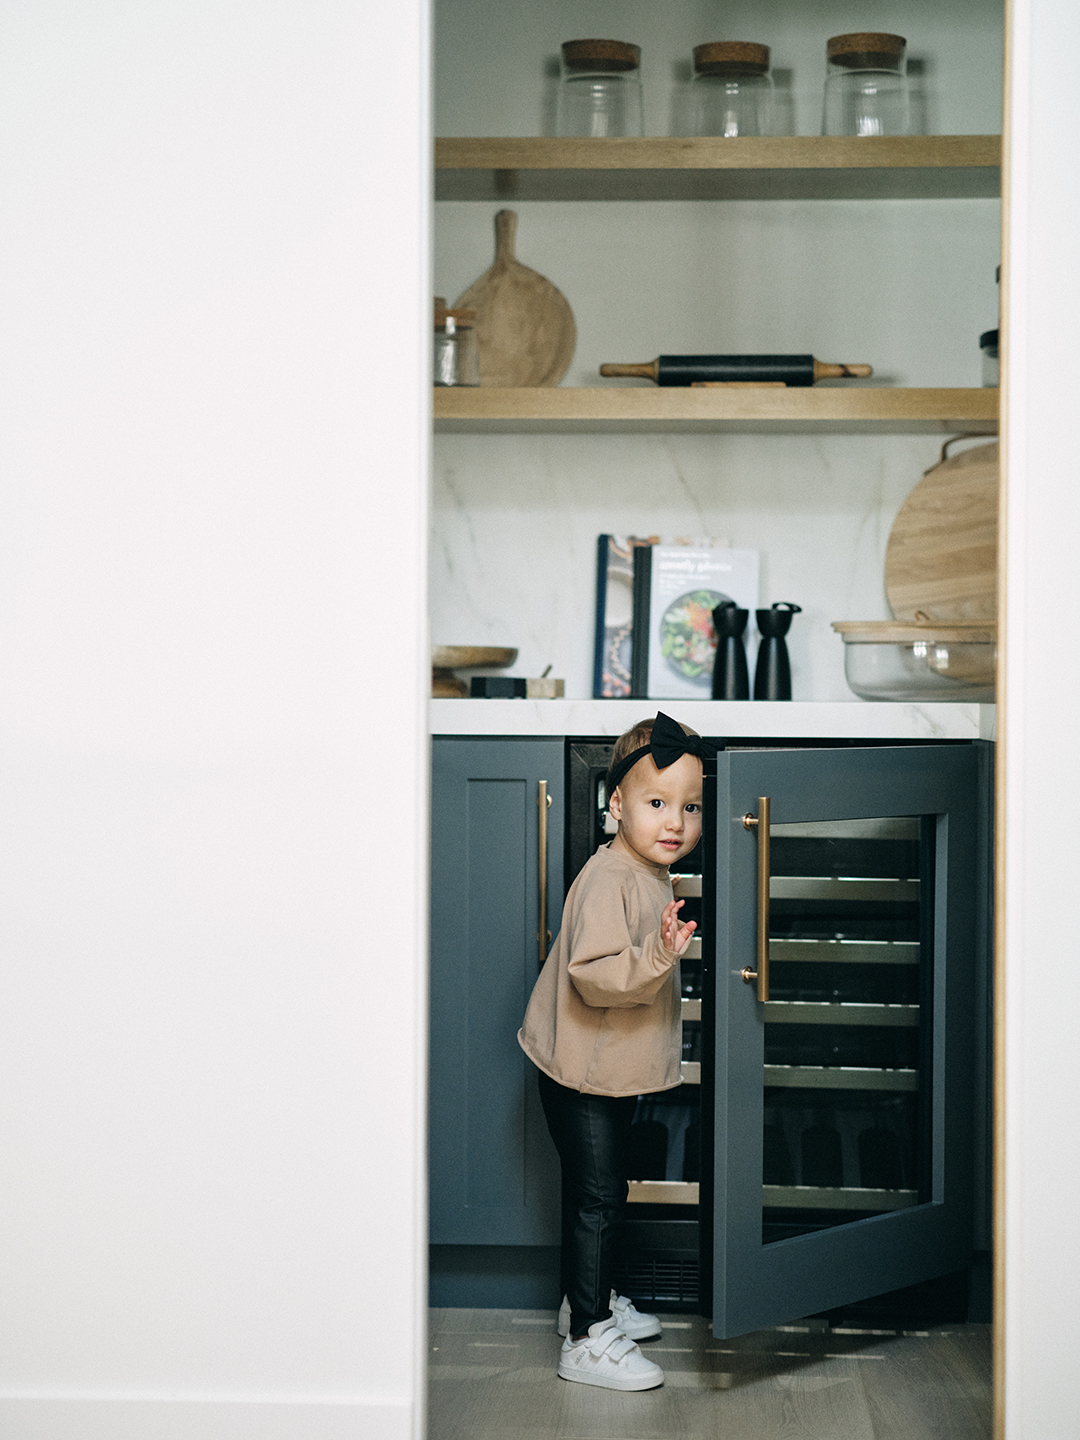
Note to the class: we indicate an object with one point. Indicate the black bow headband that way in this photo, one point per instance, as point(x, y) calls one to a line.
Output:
point(667, 744)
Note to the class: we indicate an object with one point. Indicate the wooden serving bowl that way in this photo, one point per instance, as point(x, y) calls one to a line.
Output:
point(445, 659)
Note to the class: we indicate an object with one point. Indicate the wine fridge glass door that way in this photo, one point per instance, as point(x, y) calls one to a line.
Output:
point(842, 1077)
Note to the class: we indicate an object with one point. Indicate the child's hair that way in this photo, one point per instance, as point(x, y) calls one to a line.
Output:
point(637, 736)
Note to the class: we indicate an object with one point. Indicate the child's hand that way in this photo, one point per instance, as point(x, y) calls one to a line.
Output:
point(676, 937)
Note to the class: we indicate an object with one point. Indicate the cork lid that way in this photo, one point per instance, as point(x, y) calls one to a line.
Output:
point(613, 55)
point(465, 318)
point(731, 57)
point(866, 50)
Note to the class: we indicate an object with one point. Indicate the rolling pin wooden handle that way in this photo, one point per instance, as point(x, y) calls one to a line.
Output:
point(823, 370)
point(505, 231)
point(648, 371)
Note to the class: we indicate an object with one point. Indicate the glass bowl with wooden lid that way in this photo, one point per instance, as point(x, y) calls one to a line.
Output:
point(920, 659)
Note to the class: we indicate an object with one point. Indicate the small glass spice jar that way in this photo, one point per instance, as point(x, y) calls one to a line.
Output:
point(866, 89)
point(456, 355)
point(732, 91)
point(600, 89)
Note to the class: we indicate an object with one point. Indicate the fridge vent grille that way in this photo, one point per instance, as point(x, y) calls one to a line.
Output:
point(659, 1280)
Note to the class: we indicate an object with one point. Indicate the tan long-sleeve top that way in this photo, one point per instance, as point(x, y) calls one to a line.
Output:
point(605, 1016)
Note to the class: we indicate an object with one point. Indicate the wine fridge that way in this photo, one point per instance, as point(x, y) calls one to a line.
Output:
point(824, 1032)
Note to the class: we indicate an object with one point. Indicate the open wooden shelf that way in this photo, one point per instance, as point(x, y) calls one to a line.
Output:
point(625, 408)
point(782, 167)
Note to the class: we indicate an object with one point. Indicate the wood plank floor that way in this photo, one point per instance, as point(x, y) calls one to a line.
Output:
point(492, 1377)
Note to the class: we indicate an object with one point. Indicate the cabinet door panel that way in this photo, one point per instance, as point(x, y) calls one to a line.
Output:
point(494, 1173)
point(843, 1104)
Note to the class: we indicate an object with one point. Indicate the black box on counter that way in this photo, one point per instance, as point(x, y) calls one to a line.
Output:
point(498, 687)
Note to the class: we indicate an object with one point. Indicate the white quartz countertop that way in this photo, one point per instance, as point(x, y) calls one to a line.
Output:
point(796, 719)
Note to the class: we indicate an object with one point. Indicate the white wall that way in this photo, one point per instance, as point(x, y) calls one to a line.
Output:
point(1041, 991)
point(213, 269)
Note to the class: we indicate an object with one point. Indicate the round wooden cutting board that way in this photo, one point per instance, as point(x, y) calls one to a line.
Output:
point(525, 330)
point(941, 559)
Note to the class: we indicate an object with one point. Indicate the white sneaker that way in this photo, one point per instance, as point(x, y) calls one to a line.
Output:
point(609, 1358)
point(631, 1321)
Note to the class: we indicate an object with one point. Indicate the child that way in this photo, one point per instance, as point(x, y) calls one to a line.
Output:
point(604, 1025)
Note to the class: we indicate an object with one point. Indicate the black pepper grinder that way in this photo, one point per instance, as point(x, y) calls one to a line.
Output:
point(730, 677)
point(772, 677)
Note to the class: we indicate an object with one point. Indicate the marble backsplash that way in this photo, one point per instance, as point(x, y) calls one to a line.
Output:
point(515, 520)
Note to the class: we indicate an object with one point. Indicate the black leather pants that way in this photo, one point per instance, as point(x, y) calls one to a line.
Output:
point(591, 1134)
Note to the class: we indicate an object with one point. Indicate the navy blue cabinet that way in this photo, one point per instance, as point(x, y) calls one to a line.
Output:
point(494, 1172)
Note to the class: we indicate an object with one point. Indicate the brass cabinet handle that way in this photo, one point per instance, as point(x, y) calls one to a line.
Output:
point(543, 804)
point(760, 822)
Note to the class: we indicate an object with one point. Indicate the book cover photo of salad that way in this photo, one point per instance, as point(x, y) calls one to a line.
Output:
point(676, 589)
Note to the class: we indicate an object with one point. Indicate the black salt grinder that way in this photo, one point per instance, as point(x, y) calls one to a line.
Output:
point(772, 676)
point(730, 677)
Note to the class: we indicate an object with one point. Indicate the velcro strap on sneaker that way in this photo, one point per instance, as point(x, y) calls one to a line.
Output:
point(611, 1342)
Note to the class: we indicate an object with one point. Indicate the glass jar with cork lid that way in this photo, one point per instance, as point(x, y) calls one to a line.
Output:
point(600, 89)
point(731, 92)
point(866, 89)
point(456, 355)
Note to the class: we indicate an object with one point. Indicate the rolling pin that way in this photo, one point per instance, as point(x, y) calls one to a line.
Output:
point(737, 369)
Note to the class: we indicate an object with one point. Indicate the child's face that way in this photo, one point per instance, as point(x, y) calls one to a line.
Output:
point(659, 811)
